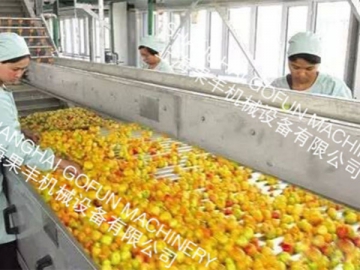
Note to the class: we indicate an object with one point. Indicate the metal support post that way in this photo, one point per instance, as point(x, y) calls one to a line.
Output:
point(38, 7)
point(89, 10)
point(91, 39)
point(102, 31)
point(151, 6)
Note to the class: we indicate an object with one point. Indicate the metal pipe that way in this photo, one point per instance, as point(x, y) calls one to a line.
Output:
point(102, 31)
point(38, 7)
point(55, 22)
point(112, 34)
point(91, 39)
point(151, 5)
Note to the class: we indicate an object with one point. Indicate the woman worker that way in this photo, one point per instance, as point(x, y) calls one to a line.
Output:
point(150, 48)
point(304, 58)
point(14, 59)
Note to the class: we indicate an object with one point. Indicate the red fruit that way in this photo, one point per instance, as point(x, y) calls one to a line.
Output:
point(256, 243)
point(110, 219)
point(210, 186)
point(275, 214)
point(346, 246)
point(78, 208)
point(342, 232)
point(229, 203)
point(228, 211)
point(212, 198)
point(356, 241)
point(209, 175)
point(287, 247)
point(207, 232)
point(250, 250)
point(326, 250)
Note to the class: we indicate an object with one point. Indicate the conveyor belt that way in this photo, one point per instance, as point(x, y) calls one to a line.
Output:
point(179, 106)
point(168, 172)
point(191, 117)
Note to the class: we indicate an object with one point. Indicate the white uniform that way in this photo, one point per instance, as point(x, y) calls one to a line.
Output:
point(13, 46)
point(10, 126)
point(157, 45)
point(324, 85)
point(310, 43)
point(163, 66)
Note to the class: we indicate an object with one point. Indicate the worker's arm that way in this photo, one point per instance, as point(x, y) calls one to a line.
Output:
point(12, 141)
point(31, 135)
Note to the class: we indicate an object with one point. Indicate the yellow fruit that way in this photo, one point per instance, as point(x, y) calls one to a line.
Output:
point(106, 240)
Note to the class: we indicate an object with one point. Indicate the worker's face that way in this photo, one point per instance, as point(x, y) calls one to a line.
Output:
point(147, 57)
point(303, 71)
point(12, 72)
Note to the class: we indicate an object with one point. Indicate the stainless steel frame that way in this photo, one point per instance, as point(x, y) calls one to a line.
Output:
point(211, 122)
point(340, 109)
point(41, 235)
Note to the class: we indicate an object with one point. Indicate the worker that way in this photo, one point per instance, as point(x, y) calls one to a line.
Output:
point(14, 59)
point(150, 48)
point(304, 58)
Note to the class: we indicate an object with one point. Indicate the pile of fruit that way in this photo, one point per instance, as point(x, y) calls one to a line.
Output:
point(245, 220)
point(71, 119)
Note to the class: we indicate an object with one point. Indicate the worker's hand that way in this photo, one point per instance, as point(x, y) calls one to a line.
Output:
point(31, 135)
point(70, 166)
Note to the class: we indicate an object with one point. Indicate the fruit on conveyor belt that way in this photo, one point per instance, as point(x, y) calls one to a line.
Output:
point(246, 220)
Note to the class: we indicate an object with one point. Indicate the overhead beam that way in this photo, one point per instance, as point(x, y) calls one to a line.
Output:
point(89, 10)
point(183, 4)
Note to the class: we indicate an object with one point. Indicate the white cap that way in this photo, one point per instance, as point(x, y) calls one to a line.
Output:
point(12, 46)
point(305, 42)
point(153, 43)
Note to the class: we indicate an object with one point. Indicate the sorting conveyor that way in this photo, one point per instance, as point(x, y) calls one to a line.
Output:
point(189, 112)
